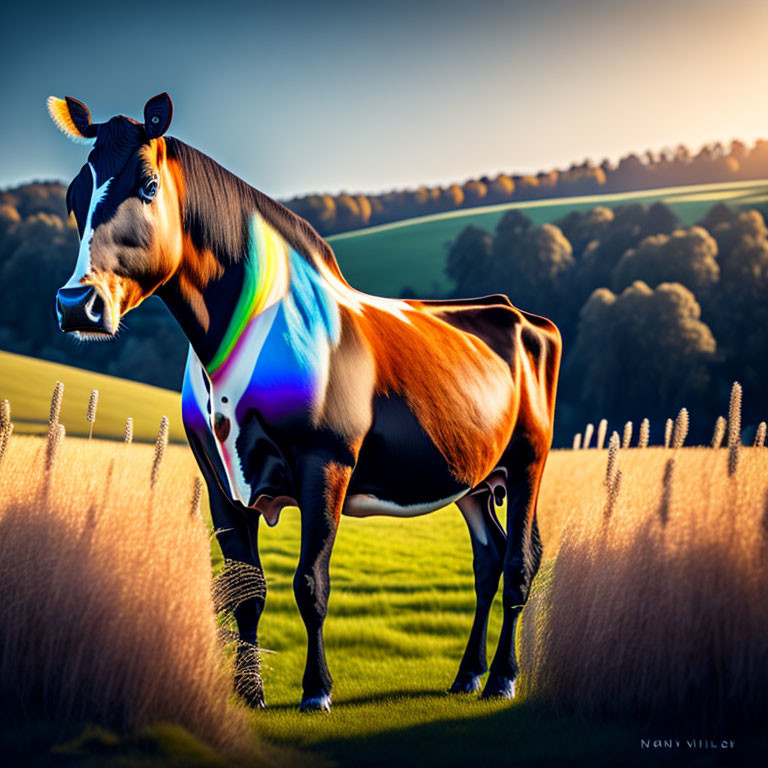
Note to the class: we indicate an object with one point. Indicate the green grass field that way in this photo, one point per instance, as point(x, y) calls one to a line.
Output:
point(400, 610)
point(383, 260)
point(28, 384)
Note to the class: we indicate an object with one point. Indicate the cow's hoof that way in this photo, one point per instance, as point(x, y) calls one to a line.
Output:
point(499, 687)
point(252, 695)
point(466, 683)
point(316, 703)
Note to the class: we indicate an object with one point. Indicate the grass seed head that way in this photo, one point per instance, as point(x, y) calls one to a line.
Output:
point(613, 493)
point(668, 432)
point(93, 402)
point(160, 445)
point(58, 395)
point(5, 437)
point(680, 431)
point(719, 433)
point(197, 496)
point(128, 438)
point(588, 435)
point(577, 441)
point(613, 457)
point(760, 435)
point(645, 433)
point(734, 429)
point(627, 436)
point(602, 428)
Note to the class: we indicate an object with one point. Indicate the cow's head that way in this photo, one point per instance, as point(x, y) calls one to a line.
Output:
point(126, 203)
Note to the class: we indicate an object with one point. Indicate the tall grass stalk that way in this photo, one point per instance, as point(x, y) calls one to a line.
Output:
point(719, 433)
point(197, 496)
point(680, 431)
point(734, 429)
point(613, 457)
point(627, 435)
point(654, 607)
point(645, 434)
point(602, 428)
point(90, 416)
point(108, 615)
point(6, 427)
point(56, 399)
point(588, 435)
point(161, 443)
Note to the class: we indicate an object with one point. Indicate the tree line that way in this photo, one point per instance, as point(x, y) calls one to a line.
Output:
point(713, 162)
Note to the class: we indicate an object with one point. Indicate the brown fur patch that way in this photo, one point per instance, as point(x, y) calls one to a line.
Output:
point(336, 483)
point(347, 404)
point(461, 392)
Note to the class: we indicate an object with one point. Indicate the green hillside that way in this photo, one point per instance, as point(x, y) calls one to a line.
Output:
point(383, 260)
point(28, 383)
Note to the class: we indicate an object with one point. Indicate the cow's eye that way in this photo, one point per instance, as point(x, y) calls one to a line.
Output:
point(148, 190)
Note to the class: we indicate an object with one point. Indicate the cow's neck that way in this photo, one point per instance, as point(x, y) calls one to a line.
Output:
point(216, 318)
point(242, 252)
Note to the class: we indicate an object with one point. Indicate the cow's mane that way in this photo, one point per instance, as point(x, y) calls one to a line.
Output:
point(218, 205)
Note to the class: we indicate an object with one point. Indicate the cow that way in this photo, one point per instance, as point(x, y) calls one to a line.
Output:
point(300, 390)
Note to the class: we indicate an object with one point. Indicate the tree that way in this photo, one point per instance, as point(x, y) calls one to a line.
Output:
point(717, 214)
point(347, 213)
point(600, 256)
point(533, 266)
point(687, 256)
point(470, 262)
point(474, 192)
point(582, 228)
point(660, 219)
point(501, 188)
point(511, 227)
point(741, 307)
point(453, 196)
point(643, 351)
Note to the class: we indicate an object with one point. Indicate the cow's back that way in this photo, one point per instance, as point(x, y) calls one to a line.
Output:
point(528, 343)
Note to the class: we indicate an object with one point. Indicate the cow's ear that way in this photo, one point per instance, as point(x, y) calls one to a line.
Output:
point(73, 119)
point(158, 113)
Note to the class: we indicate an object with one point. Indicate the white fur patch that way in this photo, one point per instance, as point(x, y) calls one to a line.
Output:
point(367, 505)
point(83, 266)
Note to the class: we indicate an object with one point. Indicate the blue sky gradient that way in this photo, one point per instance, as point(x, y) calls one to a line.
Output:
point(298, 97)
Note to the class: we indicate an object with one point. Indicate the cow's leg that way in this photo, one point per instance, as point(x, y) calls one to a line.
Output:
point(524, 461)
point(322, 487)
point(237, 536)
point(488, 548)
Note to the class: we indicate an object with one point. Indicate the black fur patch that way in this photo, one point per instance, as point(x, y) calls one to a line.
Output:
point(218, 206)
point(398, 462)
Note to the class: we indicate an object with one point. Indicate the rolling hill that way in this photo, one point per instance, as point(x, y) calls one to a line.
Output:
point(383, 260)
point(28, 384)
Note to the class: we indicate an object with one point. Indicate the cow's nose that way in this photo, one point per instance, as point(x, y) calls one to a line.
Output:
point(82, 308)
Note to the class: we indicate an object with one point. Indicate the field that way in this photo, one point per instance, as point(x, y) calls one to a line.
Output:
point(383, 260)
point(27, 383)
point(666, 583)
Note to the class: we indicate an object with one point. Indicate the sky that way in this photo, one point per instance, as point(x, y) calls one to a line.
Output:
point(299, 97)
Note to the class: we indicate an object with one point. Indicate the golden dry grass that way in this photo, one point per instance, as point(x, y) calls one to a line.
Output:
point(107, 614)
point(654, 609)
point(649, 603)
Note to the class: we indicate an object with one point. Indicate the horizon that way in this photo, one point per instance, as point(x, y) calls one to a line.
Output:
point(445, 182)
point(366, 100)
